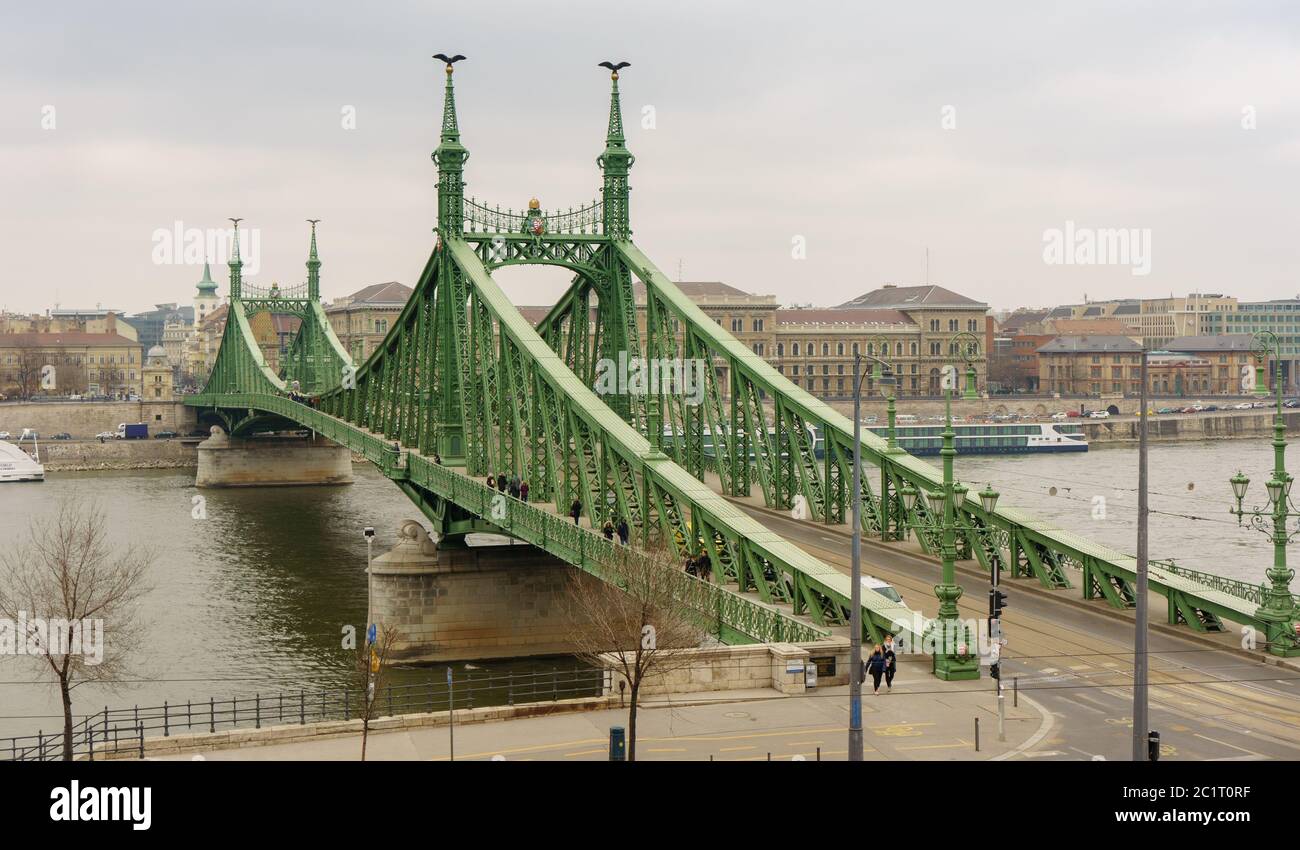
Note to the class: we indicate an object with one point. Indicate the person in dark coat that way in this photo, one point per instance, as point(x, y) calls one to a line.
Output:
point(514, 487)
point(575, 510)
point(703, 565)
point(608, 529)
point(491, 482)
point(501, 482)
point(623, 531)
point(523, 491)
point(876, 667)
point(891, 662)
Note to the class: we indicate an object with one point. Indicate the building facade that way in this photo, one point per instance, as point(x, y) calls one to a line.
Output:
point(71, 363)
point(361, 320)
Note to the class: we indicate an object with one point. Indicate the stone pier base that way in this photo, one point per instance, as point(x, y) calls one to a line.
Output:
point(463, 603)
point(225, 461)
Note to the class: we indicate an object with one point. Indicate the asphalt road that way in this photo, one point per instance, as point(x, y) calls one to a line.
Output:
point(1207, 703)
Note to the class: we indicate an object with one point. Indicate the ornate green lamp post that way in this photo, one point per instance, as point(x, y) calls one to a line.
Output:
point(1277, 607)
point(879, 377)
point(954, 650)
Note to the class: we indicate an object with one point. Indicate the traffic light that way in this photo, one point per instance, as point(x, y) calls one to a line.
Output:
point(997, 601)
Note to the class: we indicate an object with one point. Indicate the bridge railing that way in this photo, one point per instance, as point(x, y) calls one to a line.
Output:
point(1231, 586)
point(121, 732)
point(605, 558)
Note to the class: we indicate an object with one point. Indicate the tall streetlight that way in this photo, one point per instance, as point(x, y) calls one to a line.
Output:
point(855, 590)
point(1277, 608)
point(954, 657)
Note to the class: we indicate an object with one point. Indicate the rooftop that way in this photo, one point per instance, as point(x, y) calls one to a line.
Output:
point(843, 316)
point(1221, 342)
point(1089, 343)
point(894, 297)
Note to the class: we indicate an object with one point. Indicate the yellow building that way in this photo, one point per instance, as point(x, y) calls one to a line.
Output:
point(157, 376)
point(69, 363)
point(361, 320)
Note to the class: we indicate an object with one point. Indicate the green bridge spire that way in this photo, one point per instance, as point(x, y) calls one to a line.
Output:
point(615, 162)
point(450, 158)
point(236, 264)
point(313, 265)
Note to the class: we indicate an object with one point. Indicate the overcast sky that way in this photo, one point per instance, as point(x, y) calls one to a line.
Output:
point(771, 121)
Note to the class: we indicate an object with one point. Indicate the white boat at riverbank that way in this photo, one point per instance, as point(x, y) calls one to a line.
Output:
point(17, 465)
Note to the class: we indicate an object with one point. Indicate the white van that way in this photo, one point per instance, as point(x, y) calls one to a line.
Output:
point(884, 588)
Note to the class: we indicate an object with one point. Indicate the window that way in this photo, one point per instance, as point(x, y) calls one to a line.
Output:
point(780, 349)
point(952, 324)
point(839, 349)
point(758, 348)
point(855, 349)
point(913, 349)
point(737, 325)
point(934, 324)
point(826, 350)
point(796, 352)
point(381, 326)
point(758, 324)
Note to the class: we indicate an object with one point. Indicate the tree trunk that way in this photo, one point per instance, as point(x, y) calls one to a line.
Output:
point(631, 723)
point(67, 718)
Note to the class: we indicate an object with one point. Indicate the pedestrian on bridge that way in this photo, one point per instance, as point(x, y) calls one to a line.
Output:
point(876, 667)
point(608, 529)
point(501, 482)
point(891, 662)
point(491, 481)
point(623, 531)
point(575, 510)
point(514, 486)
point(523, 491)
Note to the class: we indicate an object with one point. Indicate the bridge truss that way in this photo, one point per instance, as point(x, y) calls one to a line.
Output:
point(466, 387)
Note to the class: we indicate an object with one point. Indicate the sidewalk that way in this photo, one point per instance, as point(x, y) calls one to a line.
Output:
point(924, 720)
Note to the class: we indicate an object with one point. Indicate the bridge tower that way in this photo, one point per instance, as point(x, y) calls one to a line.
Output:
point(451, 296)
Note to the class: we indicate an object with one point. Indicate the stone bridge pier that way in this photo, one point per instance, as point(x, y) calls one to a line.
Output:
point(225, 461)
point(452, 602)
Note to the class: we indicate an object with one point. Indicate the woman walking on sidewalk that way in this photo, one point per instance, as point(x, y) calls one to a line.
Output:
point(876, 667)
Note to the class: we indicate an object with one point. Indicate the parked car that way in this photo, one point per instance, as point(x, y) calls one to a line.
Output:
point(1059, 416)
point(62, 435)
point(106, 435)
point(1291, 402)
point(1073, 414)
point(1099, 414)
point(1191, 408)
point(1165, 410)
point(206, 432)
point(1245, 405)
point(1209, 408)
point(5, 435)
point(165, 435)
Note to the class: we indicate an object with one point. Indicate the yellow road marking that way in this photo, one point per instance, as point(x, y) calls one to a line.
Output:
point(584, 753)
point(665, 749)
point(733, 749)
point(960, 743)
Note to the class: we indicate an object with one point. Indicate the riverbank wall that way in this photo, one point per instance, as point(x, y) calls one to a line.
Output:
point(90, 455)
point(1179, 428)
point(85, 419)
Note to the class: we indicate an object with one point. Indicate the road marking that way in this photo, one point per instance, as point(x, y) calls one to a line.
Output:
point(583, 753)
point(666, 750)
point(733, 749)
point(1226, 744)
point(960, 743)
point(803, 743)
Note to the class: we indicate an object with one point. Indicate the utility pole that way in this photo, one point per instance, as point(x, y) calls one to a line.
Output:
point(855, 591)
point(1140, 716)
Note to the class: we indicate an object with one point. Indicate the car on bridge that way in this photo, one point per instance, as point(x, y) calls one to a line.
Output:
point(165, 435)
point(62, 435)
point(5, 435)
point(1099, 414)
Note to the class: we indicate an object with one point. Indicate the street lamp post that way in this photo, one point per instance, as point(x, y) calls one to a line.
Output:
point(1277, 608)
point(855, 591)
point(954, 658)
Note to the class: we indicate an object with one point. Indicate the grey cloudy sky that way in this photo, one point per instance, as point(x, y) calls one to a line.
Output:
point(773, 120)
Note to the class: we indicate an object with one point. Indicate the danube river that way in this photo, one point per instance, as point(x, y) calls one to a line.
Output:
point(255, 596)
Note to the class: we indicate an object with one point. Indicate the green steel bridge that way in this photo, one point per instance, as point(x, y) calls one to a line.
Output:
point(463, 385)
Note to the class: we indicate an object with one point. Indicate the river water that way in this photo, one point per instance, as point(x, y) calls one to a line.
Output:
point(255, 596)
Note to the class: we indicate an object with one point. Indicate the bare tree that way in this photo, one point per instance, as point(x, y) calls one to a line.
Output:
point(637, 619)
point(370, 673)
point(76, 599)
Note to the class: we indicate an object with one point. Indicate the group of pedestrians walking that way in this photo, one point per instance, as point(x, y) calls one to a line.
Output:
point(512, 486)
point(882, 663)
point(610, 529)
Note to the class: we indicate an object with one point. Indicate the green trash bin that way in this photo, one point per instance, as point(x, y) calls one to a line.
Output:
point(617, 744)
